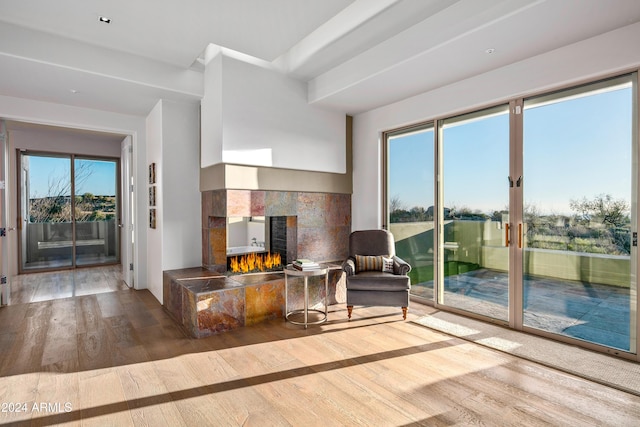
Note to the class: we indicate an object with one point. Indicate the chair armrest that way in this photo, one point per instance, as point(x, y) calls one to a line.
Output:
point(349, 266)
point(400, 266)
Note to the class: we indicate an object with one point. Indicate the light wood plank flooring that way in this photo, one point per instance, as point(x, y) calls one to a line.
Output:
point(35, 287)
point(116, 358)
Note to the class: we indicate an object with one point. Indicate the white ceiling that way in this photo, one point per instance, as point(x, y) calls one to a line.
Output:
point(356, 55)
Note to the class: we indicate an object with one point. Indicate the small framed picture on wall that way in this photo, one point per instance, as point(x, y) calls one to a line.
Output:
point(152, 173)
point(152, 218)
point(152, 196)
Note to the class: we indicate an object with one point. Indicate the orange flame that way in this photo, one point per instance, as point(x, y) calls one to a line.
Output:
point(254, 262)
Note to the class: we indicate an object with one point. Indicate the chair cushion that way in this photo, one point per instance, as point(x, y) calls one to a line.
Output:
point(378, 281)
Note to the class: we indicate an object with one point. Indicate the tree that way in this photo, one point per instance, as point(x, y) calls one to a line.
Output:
point(395, 204)
point(612, 214)
point(56, 205)
point(602, 208)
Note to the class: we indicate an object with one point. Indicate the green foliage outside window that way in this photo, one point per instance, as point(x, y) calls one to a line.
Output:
point(598, 225)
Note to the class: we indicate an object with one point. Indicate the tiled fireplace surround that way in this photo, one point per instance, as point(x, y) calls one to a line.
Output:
point(206, 301)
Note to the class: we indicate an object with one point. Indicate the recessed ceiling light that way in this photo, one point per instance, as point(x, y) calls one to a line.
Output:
point(490, 50)
point(74, 91)
point(104, 19)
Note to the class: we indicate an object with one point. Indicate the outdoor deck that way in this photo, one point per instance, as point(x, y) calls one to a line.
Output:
point(587, 311)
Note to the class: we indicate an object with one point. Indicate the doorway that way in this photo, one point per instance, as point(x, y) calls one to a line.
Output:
point(5, 277)
point(69, 211)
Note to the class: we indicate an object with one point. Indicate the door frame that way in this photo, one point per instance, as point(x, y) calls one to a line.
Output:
point(127, 214)
point(5, 253)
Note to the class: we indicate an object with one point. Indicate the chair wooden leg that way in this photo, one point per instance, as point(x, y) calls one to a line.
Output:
point(404, 313)
point(349, 310)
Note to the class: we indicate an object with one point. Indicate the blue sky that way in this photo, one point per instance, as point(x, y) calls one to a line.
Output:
point(98, 178)
point(573, 149)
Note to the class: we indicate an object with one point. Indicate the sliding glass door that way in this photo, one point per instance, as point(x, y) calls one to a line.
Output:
point(410, 208)
point(47, 227)
point(532, 221)
point(95, 211)
point(579, 207)
point(474, 257)
point(69, 211)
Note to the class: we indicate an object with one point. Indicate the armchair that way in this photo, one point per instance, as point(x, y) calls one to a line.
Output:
point(375, 275)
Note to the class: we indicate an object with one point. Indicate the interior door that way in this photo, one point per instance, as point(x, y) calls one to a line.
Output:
point(4, 240)
point(126, 222)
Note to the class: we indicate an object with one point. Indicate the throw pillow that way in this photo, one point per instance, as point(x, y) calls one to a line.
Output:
point(368, 263)
point(387, 265)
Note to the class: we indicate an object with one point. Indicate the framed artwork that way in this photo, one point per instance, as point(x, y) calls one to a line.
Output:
point(152, 196)
point(152, 218)
point(152, 173)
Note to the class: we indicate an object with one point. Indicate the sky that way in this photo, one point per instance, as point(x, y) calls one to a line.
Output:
point(97, 177)
point(574, 149)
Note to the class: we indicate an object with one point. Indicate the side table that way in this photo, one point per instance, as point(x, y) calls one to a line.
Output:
point(291, 271)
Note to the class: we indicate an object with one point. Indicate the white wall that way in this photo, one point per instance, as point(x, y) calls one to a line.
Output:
point(211, 104)
point(267, 121)
point(154, 236)
point(181, 210)
point(83, 118)
point(173, 140)
point(600, 56)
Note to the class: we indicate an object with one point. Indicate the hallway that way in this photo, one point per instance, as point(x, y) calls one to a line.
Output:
point(53, 285)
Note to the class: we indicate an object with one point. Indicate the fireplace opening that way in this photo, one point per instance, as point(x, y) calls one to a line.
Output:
point(278, 236)
point(254, 263)
point(258, 243)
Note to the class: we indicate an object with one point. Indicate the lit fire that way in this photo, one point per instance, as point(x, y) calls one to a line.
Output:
point(254, 262)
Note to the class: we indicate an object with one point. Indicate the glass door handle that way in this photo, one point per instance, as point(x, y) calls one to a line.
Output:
point(506, 234)
point(520, 236)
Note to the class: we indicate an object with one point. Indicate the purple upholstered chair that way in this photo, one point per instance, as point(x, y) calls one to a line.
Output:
point(375, 275)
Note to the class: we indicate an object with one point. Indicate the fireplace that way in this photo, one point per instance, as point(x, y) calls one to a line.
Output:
point(208, 300)
point(295, 225)
point(254, 262)
point(257, 244)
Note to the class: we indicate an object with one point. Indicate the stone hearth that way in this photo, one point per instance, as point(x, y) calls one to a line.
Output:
point(205, 303)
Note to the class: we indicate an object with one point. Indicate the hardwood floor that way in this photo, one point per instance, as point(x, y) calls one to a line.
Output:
point(116, 358)
point(59, 284)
